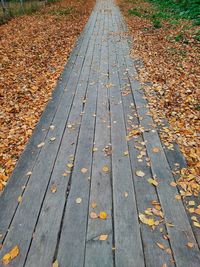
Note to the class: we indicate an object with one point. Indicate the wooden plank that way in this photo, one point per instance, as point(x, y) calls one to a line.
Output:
point(73, 232)
point(44, 243)
point(145, 193)
point(175, 157)
point(21, 230)
point(174, 210)
point(128, 245)
point(14, 188)
point(99, 253)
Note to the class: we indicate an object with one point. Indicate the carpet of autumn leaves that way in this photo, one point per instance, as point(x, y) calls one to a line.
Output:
point(34, 49)
point(171, 58)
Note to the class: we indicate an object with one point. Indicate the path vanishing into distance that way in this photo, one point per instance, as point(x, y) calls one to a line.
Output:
point(95, 186)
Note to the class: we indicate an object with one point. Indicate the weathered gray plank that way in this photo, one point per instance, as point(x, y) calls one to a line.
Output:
point(175, 157)
point(145, 193)
point(42, 171)
point(44, 243)
point(128, 251)
point(73, 232)
point(99, 253)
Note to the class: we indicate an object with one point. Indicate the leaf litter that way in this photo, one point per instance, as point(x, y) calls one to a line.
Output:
point(34, 49)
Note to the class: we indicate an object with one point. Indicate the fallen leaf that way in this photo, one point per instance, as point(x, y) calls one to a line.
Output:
point(13, 253)
point(84, 170)
point(156, 149)
point(161, 246)
point(52, 127)
point(52, 139)
point(190, 244)
point(178, 197)
point(126, 153)
point(78, 200)
point(105, 169)
point(41, 145)
point(93, 215)
point(126, 194)
point(196, 224)
point(140, 173)
point(146, 220)
point(173, 184)
point(19, 199)
point(70, 165)
point(191, 203)
point(103, 215)
point(93, 205)
point(103, 237)
point(53, 188)
point(55, 264)
point(153, 181)
point(197, 211)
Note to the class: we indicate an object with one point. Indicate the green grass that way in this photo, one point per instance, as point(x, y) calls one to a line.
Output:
point(171, 10)
point(180, 9)
point(63, 11)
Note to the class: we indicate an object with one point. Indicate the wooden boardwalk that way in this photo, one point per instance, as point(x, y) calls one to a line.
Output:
point(93, 151)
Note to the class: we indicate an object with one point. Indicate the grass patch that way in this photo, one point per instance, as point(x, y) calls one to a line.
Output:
point(182, 9)
point(156, 23)
point(63, 11)
point(171, 10)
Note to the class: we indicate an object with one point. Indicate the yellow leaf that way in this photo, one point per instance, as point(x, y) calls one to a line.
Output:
point(53, 188)
point(194, 218)
point(125, 153)
point(140, 173)
point(196, 224)
point(197, 211)
point(10, 255)
point(94, 204)
point(70, 165)
point(153, 181)
point(190, 244)
point(191, 203)
point(178, 197)
point(55, 264)
point(78, 200)
point(52, 139)
point(19, 199)
point(103, 237)
point(105, 169)
point(103, 215)
point(145, 220)
point(191, 210)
